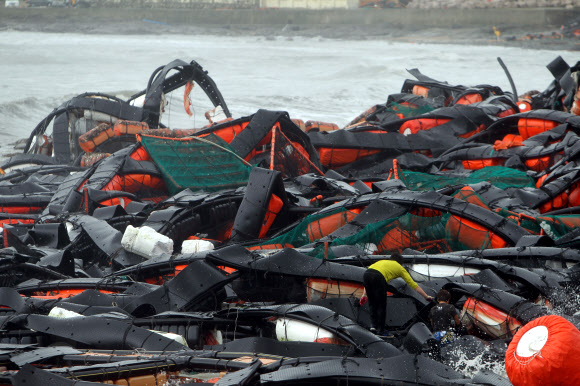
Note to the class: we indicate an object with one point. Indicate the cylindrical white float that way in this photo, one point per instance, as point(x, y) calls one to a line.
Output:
point(298, 331)
point(146, 242)
point(193, 246)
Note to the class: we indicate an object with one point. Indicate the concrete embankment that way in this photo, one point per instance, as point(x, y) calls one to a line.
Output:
point(410, 19)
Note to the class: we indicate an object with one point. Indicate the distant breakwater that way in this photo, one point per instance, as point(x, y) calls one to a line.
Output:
point(403, 18)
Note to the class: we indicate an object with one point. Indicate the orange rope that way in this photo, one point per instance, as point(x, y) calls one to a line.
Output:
point(310, 162)
point(187, 99)
point(272, 145)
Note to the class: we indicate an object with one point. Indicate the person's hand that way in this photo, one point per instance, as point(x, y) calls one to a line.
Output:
point(363, 300)
point(430, 298)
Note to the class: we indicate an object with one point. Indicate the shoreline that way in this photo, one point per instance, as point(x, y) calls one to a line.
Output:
point(353, 25)
point(514, 37)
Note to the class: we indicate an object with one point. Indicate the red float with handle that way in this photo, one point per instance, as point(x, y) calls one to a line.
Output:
point(546, 352)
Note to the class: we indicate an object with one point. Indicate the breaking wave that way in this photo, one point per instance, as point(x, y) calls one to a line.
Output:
point(21, 107)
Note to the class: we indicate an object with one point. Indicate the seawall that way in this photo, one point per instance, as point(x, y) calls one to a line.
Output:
point(406, 18)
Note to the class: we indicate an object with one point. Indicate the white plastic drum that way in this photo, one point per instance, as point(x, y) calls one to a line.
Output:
point(423, 272)
point(146, 242)
point(297, 331)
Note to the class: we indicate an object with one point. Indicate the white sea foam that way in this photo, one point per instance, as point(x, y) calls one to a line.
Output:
point(469, 365)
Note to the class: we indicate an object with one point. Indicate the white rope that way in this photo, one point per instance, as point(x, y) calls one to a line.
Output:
point(525, 362)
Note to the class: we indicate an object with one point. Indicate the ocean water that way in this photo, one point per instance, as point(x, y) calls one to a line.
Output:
point(311, 78)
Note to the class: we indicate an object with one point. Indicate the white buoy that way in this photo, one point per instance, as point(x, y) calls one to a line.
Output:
point(61, 313)
point(146, 242)
point(298, 331)
point(193, 246)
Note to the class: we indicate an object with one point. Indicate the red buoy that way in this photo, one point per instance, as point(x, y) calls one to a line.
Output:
point(544, 352)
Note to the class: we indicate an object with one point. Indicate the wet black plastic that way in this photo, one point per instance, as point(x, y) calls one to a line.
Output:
point(31, 375)
point(364, 341)
point(102, 333)
point(404, 369)
point(241, 377)
point(261, 185)
point(160, 83)
point(419, 340)
point(260, 345)
point(40, 354)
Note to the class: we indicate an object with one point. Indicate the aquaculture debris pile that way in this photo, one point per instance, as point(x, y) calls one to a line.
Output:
point(136, 254)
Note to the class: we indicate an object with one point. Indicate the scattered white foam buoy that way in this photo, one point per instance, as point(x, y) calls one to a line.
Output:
point(370, 248)
point(193, 246)
point(146, 242)
point(544, 352)
point(58, 312)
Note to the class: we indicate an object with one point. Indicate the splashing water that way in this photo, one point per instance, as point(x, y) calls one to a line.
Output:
point(469, 364)
point(568, 305)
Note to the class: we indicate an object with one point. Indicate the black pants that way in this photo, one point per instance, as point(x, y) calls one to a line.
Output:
point(376, 287)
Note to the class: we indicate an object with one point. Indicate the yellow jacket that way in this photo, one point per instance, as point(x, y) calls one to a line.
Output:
point(391, 270)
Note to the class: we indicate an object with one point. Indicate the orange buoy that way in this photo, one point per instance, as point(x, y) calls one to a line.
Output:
point(421, 91)
point(274, 207)
point(574, 197)
point(89, 159)
point(558, 202)
point(489, 319)
point(538, 164)
point(528, 127)
point(320, 126)
point(509, 141)
point(300, 123)
point(326, 225)
point(269, 246)
point(396, 239)
point(415, 125)
point(524, 105)
point(476, 164)
point(228, 133)
point(506, 113)
point(468, 99)
point(472, 235)
point(90, 140)
point(541, 180)
point(129, 127)
point(335, 158)
point(544, 352)
point(317, 288)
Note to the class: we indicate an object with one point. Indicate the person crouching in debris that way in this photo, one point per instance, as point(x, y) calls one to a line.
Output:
point(444, 318)
point(375, 279)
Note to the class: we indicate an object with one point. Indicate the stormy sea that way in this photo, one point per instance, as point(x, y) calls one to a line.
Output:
point(311, 78)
